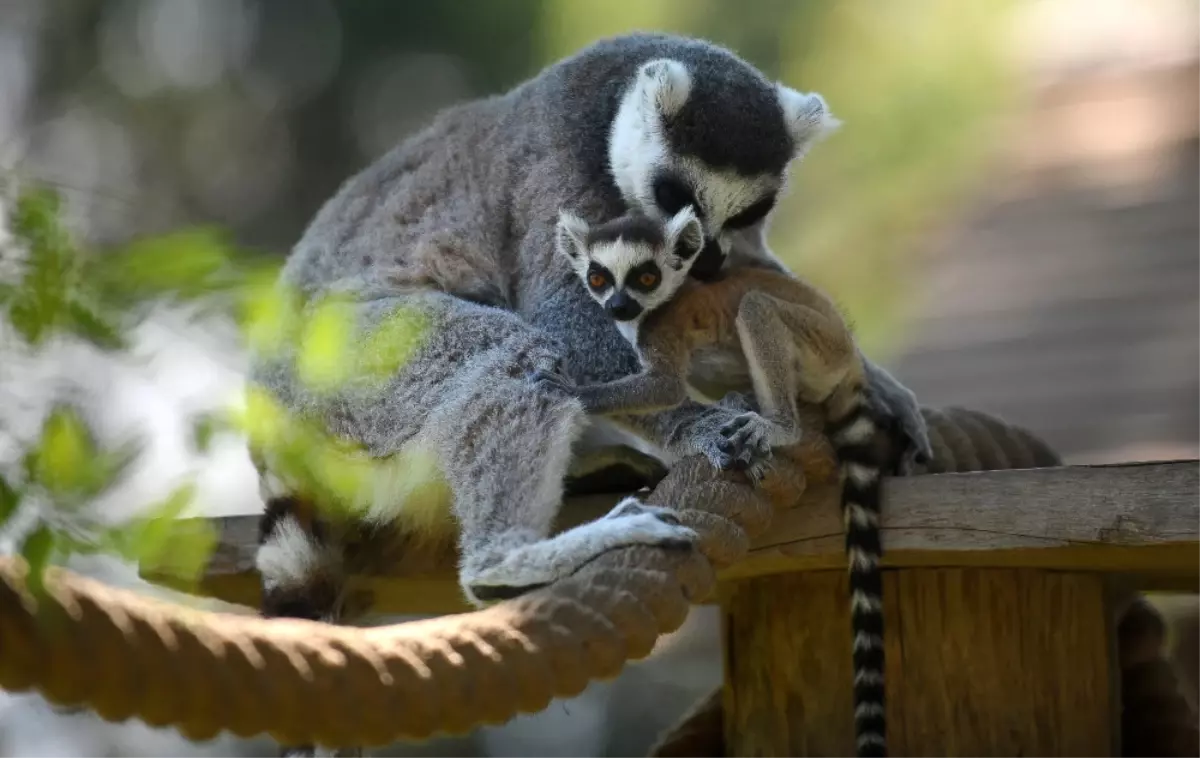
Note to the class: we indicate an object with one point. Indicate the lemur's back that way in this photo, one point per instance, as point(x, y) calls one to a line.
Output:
point(705, 315)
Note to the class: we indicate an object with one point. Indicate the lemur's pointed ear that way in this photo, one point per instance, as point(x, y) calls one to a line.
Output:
point(663, 85)
point(685, 235)
point(807, 116)
point(570, 236)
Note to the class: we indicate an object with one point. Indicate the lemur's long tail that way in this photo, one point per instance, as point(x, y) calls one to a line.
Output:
point(852, 430)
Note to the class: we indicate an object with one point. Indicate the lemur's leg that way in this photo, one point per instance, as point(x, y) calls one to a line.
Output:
point(887, 396)
point(301, 572)
point(508, 486)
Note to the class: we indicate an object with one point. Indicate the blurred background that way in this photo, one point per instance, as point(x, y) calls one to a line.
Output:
point(1010, 216)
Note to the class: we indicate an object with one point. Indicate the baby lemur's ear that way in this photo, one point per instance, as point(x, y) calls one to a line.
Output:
point(685, 235)
point(570, 235)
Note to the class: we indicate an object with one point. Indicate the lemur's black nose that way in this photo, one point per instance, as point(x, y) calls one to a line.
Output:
point(708, 262)
point(622, 307)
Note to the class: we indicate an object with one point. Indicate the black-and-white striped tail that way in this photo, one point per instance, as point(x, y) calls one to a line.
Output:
point(853, 436)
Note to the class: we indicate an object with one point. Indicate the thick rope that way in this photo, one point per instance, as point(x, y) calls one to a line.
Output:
point(123, 655)
point(1156, 718)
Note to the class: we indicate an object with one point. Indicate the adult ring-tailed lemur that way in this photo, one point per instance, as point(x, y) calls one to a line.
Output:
point(458, 221)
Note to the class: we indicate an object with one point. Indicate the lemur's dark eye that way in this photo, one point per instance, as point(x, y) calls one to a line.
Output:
point(672, 196)
point(643, 277)
point(752, 214)
point(598, 277)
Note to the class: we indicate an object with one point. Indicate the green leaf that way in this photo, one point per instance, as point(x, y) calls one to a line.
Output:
point(324, 360)
point(24, 317)
point(10, 499)
point(169, 545)
point(389, 346)
point(65, 453)
point(70, 465)
point(36, 549)
point(183, 264)
point(89, 325)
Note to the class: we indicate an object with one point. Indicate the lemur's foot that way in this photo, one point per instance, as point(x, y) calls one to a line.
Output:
point(634, 507)
point(893, 403)
point(902, 411)
point(747, 438)
point(535, 565)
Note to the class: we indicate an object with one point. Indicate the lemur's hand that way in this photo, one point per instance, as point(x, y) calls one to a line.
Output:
point(555, 381)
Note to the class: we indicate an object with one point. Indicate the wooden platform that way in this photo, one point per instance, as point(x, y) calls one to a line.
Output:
point(1140, 520)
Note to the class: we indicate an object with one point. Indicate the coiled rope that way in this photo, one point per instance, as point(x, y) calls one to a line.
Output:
point(123, 655)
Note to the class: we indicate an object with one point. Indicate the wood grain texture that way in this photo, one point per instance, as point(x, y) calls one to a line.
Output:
point(1140, 519)
point(981, 662)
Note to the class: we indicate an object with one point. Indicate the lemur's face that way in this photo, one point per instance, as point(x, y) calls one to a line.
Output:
point(633, 264)
point(657, 178)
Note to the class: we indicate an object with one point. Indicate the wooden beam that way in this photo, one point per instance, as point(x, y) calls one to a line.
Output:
point(987, 662)
point(1139, 519)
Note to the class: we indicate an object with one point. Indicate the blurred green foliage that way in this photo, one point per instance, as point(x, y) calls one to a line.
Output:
point(61, 291)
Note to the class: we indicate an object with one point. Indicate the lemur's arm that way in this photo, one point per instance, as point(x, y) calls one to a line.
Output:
point(658, 387)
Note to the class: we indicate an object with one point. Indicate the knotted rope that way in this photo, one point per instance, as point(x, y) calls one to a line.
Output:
point(124, 655)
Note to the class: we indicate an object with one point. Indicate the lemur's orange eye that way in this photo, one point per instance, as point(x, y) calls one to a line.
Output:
point(648, 279)
point(596, 280)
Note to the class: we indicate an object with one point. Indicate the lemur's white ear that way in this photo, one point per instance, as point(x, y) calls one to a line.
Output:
point(570, 235)
point(685, 235)
point(663, 84)
point(807, 115)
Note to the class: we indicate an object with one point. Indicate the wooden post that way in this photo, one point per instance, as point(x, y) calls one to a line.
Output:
point(981, 662)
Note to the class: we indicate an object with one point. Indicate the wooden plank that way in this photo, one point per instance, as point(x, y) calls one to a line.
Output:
point(980, 662)
point(1140, 519)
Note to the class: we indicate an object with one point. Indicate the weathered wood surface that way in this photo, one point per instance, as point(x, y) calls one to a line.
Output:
point(1140, 519)
point(973, 666)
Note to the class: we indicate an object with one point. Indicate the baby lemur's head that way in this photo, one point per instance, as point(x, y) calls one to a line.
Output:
point(631, 264)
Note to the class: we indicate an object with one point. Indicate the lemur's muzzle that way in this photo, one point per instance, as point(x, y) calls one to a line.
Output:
point(622, 307)
point(708, 261)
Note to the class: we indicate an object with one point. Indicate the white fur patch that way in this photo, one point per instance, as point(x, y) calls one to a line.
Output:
point(289, 557)
point(860, 431)
point(629, 330)
point(868, 709)
point(862, 476)
point(856, 515)
point(868, 677)
point(807, 115)
point(663, 85)
point(864, 641)
point(862, 560)
point(861, 601)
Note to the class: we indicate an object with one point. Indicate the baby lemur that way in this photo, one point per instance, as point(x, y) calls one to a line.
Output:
point(796, 346)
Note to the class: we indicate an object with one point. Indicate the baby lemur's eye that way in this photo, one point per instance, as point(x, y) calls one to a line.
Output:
point(596, 280)
point(648, 279)
point(672, 196)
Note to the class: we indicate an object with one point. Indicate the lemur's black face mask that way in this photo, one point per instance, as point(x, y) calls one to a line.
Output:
point(708, 265)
